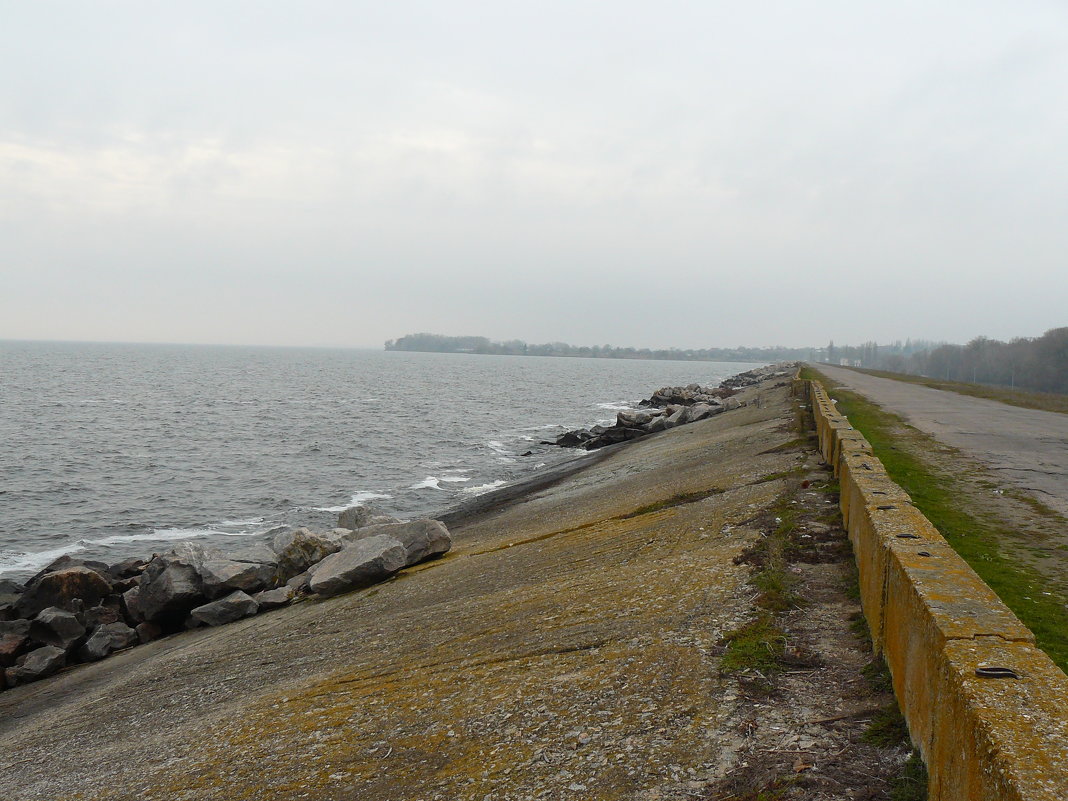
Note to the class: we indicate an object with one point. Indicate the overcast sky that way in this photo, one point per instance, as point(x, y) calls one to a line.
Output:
point(689, 174)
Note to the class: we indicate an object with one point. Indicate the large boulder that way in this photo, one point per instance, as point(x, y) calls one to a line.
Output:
point(359, 564)
point(635, 419)
point(359, 516)
point(222, 576)
point(106, 639)
point(233, 607)
point(57, 627)
point(170, 586)
point(300, 549)
point(66, 561)
point(37, 664)
point(272, 599)
point(421, 539)
point(11, 647)
point(10, 592)
point(62, 588)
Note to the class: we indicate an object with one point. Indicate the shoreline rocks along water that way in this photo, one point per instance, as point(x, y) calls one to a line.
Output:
point(76, 611)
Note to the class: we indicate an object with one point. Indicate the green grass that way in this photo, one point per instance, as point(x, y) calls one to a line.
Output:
point(976, 539)
point(887, 728)
point(758, 645)
point(911, 784)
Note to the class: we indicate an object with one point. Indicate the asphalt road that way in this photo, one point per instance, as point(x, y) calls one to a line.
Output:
point(1026, 447)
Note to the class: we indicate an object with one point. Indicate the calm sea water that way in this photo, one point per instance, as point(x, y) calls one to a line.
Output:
point(112, 450)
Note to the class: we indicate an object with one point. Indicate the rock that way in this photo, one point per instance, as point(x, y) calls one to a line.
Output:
point(359, 516)
point(635, 419)
point(677, 417)
point(222, 576)
point(701, 411)
point(147, 632)
point(299, 582)
point(233, 607)
point(300, 549)
point(20, 626)
point(10, 592)
point(65, 562)
point(101, 615)
point(127, 568)
point(170, 586)
point(106, 639)
point(272, 599)
point(37, 664)
point(658, 424)
point(421, 539)
point(360, 564)
point(573, 439)
point(57, 627)
point(11, 647)
point(61, 588)
point(122, 585)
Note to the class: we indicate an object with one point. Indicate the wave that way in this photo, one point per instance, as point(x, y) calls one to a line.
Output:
point(357, 499)
point(427, 483)
point(483, 488)
point(17, 561)
point(618, 406)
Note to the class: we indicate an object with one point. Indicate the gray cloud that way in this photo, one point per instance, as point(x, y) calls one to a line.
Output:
point(689, 174)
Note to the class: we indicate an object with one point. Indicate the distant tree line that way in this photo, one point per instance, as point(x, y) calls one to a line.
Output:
point(436, 343)
point(1035, 363)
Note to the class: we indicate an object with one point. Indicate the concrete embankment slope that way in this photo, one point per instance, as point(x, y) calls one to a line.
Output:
point(987, 709)
point(565, 648)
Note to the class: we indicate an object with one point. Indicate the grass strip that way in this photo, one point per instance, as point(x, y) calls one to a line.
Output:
point(975, 539)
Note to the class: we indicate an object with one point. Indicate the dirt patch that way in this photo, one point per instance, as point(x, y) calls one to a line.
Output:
point(805, 729)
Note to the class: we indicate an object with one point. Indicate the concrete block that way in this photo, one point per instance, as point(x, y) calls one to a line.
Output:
point(998, 739)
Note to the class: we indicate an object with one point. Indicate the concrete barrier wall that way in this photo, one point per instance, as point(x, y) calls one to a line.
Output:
point(942, 631)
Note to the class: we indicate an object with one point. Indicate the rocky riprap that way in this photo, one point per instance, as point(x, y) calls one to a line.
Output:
point(670, 407)
point(82, 611)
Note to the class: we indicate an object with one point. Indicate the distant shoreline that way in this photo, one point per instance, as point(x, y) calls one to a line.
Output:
point(438, 343)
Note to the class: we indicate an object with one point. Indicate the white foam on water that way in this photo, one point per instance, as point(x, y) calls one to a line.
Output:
point(252, 521)
point(482, 488)
point(616, 407)
point(457, 479)
point(157, 535)
point(11, 561)
point(357, 499)
point(430, 482)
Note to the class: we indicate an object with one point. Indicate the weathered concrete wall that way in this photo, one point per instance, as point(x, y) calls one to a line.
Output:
point(940, 629)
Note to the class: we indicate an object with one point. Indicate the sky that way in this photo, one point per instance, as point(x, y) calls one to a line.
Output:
point(671, 174)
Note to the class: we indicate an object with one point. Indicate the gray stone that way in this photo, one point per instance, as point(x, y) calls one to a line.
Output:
point(20, 626)
point(11, 647)
point(62, 588)
point(57, 627)
point(233, 607)
point(421, 538)
point(360, 564)
point(37, 664)
point(272, 599)
point(635, 419)
point(222, 576)
point(100, 615)
point(147, 632)
point(359, 516)
point(10, 591)
point(106, 639)
point(300, 549)
point(170, 586)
